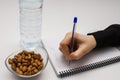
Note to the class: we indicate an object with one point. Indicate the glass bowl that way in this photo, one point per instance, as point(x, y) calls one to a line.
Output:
point(40, 51)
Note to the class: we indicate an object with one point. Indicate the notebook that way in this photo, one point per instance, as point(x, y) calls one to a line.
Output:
point(96, 58)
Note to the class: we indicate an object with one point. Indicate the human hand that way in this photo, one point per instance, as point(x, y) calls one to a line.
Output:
point(83, 44)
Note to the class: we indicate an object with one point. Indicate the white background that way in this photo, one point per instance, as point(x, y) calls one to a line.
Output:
point(58, 15)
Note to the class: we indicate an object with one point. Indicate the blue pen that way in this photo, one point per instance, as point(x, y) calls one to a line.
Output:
point(72, 39)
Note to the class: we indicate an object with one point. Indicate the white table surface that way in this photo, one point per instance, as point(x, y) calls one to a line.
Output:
point(57, 20)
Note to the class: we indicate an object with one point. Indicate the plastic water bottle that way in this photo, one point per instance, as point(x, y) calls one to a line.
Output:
point(30, 23)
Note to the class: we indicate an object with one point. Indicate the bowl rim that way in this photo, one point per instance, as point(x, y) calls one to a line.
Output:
point(26, 76)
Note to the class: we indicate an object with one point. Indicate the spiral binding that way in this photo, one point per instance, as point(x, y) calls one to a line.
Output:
point(89, 67)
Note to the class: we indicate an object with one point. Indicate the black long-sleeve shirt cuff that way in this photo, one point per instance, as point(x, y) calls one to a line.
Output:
point(107, 37)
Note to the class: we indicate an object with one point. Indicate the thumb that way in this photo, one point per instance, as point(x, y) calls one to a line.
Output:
point(79, 53)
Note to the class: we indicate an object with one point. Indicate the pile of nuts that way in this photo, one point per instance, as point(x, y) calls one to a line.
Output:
point(26, 63)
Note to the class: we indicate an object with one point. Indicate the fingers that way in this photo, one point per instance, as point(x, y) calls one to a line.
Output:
point(64, 45)
point(65, 50)
point(79, 53)
point(67, 39)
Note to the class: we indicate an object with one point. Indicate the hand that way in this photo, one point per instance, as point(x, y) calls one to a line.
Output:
point(83, 44)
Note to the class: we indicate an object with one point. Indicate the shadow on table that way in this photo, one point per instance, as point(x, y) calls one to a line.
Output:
point(33, 78)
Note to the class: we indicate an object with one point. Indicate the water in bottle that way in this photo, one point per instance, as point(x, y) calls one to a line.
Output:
point(30, 23)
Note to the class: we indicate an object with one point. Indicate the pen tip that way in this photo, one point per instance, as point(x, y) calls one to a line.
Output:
point(75, 19)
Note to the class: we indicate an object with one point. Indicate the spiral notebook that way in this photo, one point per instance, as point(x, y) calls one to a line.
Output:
point(96, 58)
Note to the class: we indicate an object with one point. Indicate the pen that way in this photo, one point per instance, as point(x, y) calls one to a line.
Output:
point(72, 38)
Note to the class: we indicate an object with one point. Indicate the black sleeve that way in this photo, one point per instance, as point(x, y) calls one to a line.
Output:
point(108, 37)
